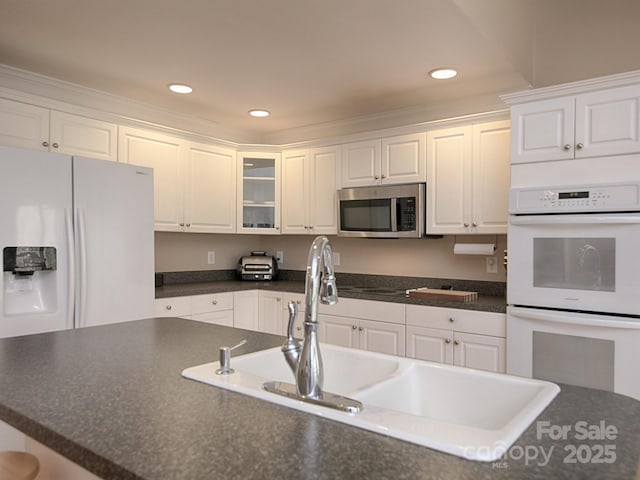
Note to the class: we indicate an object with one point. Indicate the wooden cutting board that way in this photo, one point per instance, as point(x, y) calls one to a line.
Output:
point(443, 295)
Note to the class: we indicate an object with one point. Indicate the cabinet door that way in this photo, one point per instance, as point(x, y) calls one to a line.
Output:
point(224, 317)
point(607, 122)
point(449, 172)
point(246, 312)
point(323, 197)
point(480, 351)
point(165, 155)
point(382, 337)
point(24, 126)
point(258, 189)
point(336, 330)
point(295, 198)
point(361, 163)
point(431, 344)
point(210, 199)
point(491, 178)
point(87, 137)
point(542, 131)
point(270, 312)
point(404, 159)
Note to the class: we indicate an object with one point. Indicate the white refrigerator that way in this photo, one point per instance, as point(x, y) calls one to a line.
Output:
point(76, 236)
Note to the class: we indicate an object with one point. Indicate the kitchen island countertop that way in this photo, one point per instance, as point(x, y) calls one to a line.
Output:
point(111, 398)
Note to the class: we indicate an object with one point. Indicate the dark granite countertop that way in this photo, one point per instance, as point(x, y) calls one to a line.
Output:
point(487, 303)
point(111, 398)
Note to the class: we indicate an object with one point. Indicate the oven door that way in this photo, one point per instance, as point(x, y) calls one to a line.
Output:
point(588, 350)
point(586, 262)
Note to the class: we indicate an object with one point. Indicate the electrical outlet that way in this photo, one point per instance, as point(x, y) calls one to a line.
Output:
point(211, 257)
point(492, 265)
point(280, 257)
point(336, 259)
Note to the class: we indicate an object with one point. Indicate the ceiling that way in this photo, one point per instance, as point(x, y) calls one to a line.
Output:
point(314, 62)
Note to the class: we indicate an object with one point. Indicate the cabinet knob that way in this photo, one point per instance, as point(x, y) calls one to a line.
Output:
point(456, 342)
point(188, 224)
point(298, 328)
point(451, 319)
point(383, 176)
point(474, 224)
point(168, 307)
point(447, 340)
point(182, 224)
point(567, 146)
point(45, 144)
point(354, 327)
point(466, 225)
point(55, 145)
point(277, 299)
point(361, 329)
point(214, 302)
point(376, 177)
point(579, 146)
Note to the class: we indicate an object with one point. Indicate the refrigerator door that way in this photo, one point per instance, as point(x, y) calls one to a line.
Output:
point(36, 238)
point(113, 206)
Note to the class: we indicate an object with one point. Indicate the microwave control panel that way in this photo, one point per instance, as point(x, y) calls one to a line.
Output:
point(585, 198)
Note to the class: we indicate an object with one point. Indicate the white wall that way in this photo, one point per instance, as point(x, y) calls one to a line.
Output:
point(423, 257)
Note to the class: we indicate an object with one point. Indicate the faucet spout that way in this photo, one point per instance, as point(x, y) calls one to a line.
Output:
point(320, 286)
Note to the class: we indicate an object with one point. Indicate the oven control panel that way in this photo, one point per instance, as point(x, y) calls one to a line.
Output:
point(583, 198)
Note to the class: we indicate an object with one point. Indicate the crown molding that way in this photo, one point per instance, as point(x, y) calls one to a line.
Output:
point(573, 88)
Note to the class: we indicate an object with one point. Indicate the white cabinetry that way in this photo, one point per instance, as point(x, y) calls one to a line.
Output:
point(246, 311)
point(399, 159)
point(270, 312)
point(258, 189)
point(468, 170)
point(591, 124)
point(211, 308)
point(28, 126)
point(173, 307)
point(368, 325)
point(309, 199)
point(194, 184)
point(458, 337)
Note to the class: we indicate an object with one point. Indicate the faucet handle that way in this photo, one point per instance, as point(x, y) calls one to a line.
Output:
point(293, 313)
point(225, 359)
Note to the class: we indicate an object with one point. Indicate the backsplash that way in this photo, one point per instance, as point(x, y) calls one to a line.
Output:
point(420, 258)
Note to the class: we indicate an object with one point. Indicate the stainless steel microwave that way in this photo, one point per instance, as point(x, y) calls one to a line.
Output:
point(389, 211)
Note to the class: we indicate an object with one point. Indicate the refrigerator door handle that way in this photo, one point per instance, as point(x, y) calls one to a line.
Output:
point(71, 284)
point(81, 318)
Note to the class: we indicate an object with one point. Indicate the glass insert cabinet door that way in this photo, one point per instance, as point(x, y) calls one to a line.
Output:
point(259, 193)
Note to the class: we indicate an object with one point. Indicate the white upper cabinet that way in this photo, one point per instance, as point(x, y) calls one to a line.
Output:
point(29, 126)
point(258, 192)
point(399, 159)
point(468, 172)
point(194, 184)
point(210, 190)
point(309, 199)
point(165, 155)
point(600, 123)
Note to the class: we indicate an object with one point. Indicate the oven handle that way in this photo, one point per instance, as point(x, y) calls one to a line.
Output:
point(574, 219)
point(583, 319)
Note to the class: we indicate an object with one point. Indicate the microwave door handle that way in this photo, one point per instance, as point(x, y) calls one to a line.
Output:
point(394, 216)
point(574, 219)
point(582, 319)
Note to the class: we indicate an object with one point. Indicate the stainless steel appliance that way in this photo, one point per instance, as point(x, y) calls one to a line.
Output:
point(573, 284)
point(390, 211)
point(258, 266)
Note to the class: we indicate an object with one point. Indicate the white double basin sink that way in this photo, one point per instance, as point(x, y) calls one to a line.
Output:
point(469, 413)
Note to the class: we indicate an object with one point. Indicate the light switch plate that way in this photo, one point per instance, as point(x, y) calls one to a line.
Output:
point(211, 257)
point(492, 265)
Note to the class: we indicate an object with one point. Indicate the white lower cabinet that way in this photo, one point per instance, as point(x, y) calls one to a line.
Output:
point(270, 312)
point(457, 337)
point(211, 308)
point(246, 309)
point(173, 307)
point(364, 324)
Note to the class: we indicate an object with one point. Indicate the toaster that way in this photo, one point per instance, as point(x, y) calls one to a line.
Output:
point(257, 266)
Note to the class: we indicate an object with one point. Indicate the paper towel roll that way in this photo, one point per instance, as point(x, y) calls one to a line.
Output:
point(474, 248)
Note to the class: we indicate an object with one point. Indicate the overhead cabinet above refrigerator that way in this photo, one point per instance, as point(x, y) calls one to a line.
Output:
point(77, 242)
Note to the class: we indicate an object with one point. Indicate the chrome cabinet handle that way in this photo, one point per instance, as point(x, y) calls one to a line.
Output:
point(451, 319)
point(474, 224)
point(361, 329)
point(456, 342)
point(354, 327)
point(567, 146)
point(188, 224)
point(182, 224)
point(45, 144)
point(376, 177)
point(383, 176)
point(447, 340)
point(214, 302)
point(55, 145)
point(168, 307)
point(466, 225)
point(579, 146)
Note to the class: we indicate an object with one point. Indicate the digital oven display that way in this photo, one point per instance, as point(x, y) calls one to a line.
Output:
point(572, 195)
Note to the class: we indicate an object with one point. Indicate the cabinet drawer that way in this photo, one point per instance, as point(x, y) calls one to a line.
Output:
point(368, 309)
point(224, 317)
point(172, 307)
point(214, 302)
point(469, 321)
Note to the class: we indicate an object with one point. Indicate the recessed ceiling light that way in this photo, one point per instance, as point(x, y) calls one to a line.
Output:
point(259, 113)
point(180, 88)
point(442, 73)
